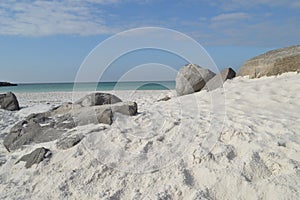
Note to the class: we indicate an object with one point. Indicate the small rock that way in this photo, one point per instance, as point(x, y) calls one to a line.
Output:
point(281, 143)
point(166, 98)
point(35, 157)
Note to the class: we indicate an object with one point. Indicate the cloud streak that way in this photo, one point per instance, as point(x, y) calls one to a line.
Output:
point(231, 17)
point(225, 22)
point(42, 18)
point(245, 4)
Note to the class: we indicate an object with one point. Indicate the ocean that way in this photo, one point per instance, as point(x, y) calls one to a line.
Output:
point(102, 86)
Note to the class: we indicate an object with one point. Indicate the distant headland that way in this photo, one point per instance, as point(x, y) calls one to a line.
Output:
point(3, 84)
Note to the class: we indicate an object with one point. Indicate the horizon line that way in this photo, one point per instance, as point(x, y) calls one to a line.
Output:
point(92, 82)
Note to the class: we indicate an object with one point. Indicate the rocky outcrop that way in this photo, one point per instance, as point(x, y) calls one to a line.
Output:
point(272, 63)
point(35, 157)
point(218, 80)
point(3, 84)
point(9, 101)
point(51, 125)
point(192, 78)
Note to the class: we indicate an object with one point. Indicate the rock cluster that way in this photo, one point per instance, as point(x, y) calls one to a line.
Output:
point(49, 126)
point(193, 78)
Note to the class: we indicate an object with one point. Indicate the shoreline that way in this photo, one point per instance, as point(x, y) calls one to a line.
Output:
point(28, 99)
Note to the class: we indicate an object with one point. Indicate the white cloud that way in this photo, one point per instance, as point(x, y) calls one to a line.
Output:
point(296, 4)
point(231, 17)
point(238, 4)
point(40, 18)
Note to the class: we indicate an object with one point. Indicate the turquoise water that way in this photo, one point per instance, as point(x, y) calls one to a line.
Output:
point(67, 87)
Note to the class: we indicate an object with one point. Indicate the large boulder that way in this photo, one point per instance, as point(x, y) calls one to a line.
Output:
point(218, 80)
point(36, 128)
point(103, 114)
point(192, 78)
point(35, 157)
point(272, 63)
point(9, 101)
point(97, 99)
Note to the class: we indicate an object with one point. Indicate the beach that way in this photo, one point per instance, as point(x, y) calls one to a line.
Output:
point(237, 142)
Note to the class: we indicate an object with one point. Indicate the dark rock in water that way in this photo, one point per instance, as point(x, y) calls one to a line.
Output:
point(272, 63)
point(218, 80)
point(192, 78)
point(9, 101)
point(35, 157)
point(97, 99)
point(68, 142)
point(3, 84)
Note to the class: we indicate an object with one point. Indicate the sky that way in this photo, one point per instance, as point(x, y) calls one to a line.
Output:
point(47, 41)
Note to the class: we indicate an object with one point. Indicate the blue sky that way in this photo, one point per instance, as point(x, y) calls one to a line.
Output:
point(46, 41)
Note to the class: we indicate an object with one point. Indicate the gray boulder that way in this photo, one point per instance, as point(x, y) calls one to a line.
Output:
point(36, 128)
point(102, 114)
point(69, 141)
point(192, 78)
point(272, 63)
point(218, 80)
point(97, 99)
point(92, 115)
point(9, 101)
point(35, 157)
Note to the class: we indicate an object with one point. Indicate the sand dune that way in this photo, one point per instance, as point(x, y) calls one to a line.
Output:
point(242, 142)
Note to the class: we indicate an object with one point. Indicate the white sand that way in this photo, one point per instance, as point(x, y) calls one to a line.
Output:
point(242, 142)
